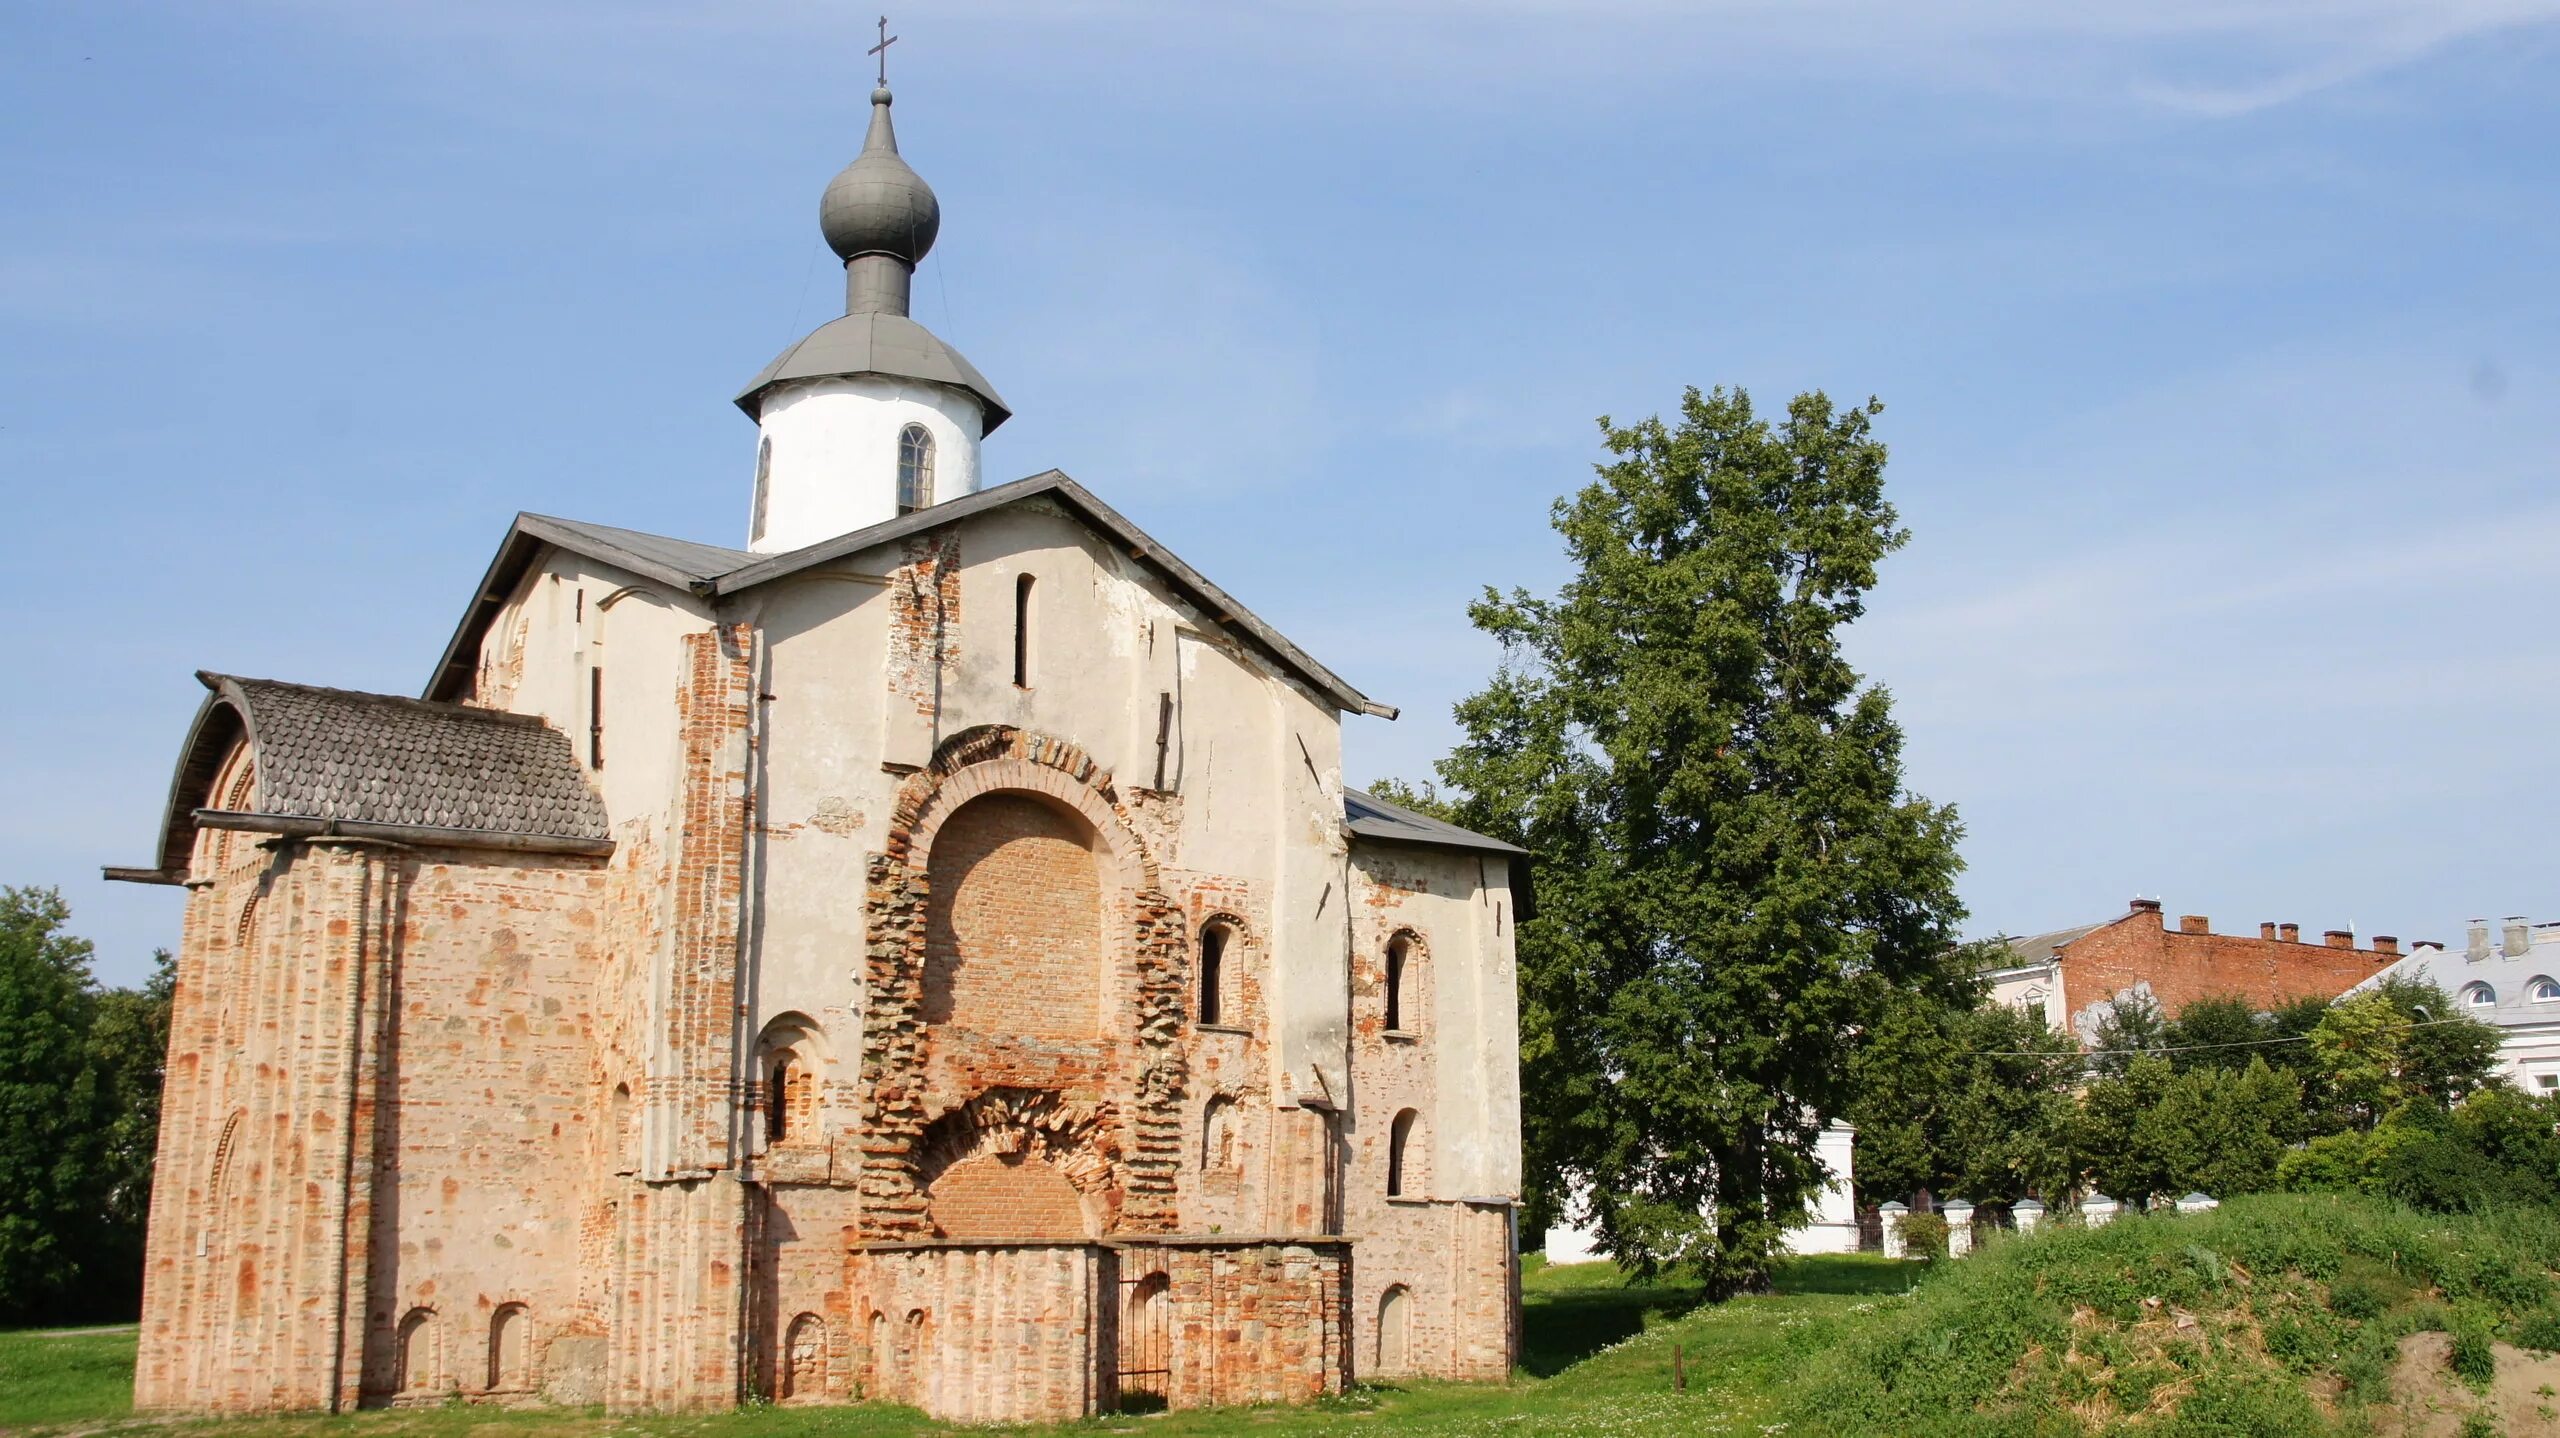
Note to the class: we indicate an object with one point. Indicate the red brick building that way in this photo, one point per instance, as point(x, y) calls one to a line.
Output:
point(2074, 976)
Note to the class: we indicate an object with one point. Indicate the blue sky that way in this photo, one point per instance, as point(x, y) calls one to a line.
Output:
point(2220, 341)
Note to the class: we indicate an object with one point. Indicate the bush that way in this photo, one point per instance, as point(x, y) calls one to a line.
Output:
point(2474, 1356)
point(2539, 1330)
point(2358, 1298)
point(1924, 1235)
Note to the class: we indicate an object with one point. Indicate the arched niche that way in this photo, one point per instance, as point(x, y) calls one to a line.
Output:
point(1014, 919)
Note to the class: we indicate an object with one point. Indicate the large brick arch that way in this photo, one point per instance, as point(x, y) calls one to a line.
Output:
point(1014, 920)
point(1016, 1163)
point(971, 801)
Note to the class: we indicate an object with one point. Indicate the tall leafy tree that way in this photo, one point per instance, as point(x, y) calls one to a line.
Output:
point(127, 1049)
point(1733, 880)
point(51, 1114)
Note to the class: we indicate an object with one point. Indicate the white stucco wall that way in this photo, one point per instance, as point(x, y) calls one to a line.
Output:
point(1831, 1216)
point(834, 466)
point(2031, 988)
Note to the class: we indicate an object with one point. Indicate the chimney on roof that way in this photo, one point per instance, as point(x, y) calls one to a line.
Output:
point(2516, 938)
point(2146, 906)
point(2478, 948)
point(2339, 938)
point(2387, 945)
point(2267, 932)
point(2194, 924)
point(2290, 933)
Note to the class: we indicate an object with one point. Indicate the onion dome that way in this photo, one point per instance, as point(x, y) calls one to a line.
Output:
point(877, 205)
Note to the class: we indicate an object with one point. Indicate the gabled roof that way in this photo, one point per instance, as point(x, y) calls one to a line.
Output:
point(1374, 818)
point(2045, 948)
point(357, 762)
point(713, 573)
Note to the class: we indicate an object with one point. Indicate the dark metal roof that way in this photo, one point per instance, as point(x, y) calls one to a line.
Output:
point(673, 561)
point(875, 342)
point(2044, 948)
point(712, 573)
point(1374, 818)
point(381, 760)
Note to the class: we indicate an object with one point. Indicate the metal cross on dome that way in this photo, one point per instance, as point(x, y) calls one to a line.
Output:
point(882, 50)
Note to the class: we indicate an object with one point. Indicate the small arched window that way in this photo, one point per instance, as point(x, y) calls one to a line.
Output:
point(1213, 973)
point(915, 469)
point(777, 1103)
point(1399, 1158)
point(764, 489)
point(2544, 991)
point(2479, 996)
point(1022, 631)
point(1399, 967)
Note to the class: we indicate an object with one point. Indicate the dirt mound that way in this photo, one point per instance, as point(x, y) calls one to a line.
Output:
point(2428, 1401)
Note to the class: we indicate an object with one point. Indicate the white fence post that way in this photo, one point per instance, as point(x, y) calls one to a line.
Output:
point(2028, 1213)
point(2198, 1203)
point(1959, 1216)
point(2098, 1210)
point(1890, 1219)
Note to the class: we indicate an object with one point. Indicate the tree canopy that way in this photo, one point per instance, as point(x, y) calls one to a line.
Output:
point(79, 1116)
point(1733, 880)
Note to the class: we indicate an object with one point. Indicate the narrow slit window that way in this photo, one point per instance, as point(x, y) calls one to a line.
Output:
point(1397, 954)
point(777, 1100)
point(1022, 631)
point(915, 469)
point(1213, 964)
point(595, 716)
point(764, 489)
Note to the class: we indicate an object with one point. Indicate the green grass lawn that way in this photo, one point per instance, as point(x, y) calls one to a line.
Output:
point(65, 1375)
point(1598, 1362)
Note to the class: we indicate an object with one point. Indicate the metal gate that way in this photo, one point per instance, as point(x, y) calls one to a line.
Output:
point(1143, 1358)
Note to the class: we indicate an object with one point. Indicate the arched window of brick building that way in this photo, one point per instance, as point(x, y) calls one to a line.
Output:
point(1400, 1174)
point(510, 1361)
point(915, 469)
point(1022, 586)
point(1395, 1323)
point(1215, 936)
point(1404, 985)
point(764, 488)
point(792, 1057)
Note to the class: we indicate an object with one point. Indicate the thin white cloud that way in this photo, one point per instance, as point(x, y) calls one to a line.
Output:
point(2194, 57)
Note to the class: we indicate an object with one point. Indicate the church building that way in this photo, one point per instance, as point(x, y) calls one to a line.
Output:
point(927, 953)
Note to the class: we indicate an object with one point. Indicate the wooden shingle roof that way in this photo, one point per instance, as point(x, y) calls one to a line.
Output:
point(339, 760)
